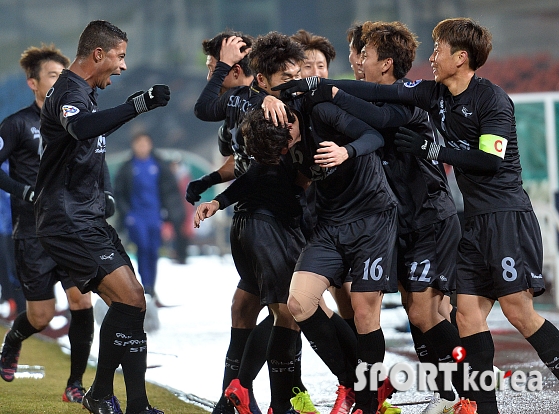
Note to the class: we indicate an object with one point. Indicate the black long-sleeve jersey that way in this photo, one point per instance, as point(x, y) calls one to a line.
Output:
point(70, 182)
point(229, 107)
point(20, 143)
point(420, 185)
point(482, 113)
point(356, 188)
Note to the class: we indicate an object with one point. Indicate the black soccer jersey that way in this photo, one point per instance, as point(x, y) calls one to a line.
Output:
point(358, 187)
point(420, 185)
point(482, 110)
point(231, 107)
point(70, 181)
point(20, 142)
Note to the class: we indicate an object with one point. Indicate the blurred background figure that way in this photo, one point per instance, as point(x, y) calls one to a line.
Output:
point(146, 195)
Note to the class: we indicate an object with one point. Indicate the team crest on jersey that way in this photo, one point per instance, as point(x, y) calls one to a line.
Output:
point(412, 84)
point(69, 110)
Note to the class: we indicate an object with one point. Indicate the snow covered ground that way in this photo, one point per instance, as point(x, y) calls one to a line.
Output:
point(187, 352)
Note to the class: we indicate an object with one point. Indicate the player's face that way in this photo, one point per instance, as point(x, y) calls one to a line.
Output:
point(49, 73)
point(291, 72)
point(355, 62)
point(373, 68)
point(443, 62)
point(112, 63)
point(295, 132)
point(314, 64)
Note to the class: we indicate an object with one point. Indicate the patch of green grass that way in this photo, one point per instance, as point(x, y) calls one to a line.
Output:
point(30, 396)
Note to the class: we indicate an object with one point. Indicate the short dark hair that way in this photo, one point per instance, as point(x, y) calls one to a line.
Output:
point(354, 37)
point(272, 53)
point(392, 40)
point(310, 41)
point(462, 33)
point(264, 140)
point(33, 57)
point(212, 47)
point(99, 33)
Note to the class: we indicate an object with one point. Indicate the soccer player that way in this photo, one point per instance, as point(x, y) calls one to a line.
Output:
point(476, 119)
point(37, 272)
point(247, 338)
point(356, 44)
point(70, 208)
point(319, 52)
point(265, 235)
point(428, 229)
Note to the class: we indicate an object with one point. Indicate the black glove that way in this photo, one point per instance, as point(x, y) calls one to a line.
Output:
point(156, 96)
point(289, 89)
point(197, 187)
point(134, 95)
point(414, 143)
point(28, 193)
point(323, 93)
point(109, 205)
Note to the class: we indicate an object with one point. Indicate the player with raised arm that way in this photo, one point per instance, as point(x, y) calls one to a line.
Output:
point(265, 272)
point(70, 208)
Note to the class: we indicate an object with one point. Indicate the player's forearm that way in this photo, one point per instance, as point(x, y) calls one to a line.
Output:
point(369, 91)
point(473, 161)
point(205, 107)
point(10, 185)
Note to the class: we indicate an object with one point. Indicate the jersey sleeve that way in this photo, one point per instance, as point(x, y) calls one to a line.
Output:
point(76, 118)
point(496, 117)
point(377, 116)
point(365, 139)
point(210, 105)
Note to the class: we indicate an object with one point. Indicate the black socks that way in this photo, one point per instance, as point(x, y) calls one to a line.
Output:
point(80, 335)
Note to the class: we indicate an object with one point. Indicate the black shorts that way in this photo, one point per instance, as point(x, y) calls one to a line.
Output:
point(36, 270)
point(87, 255)
point(364, 247)
point(499, 254)
point(427, 257)
point(265, 253)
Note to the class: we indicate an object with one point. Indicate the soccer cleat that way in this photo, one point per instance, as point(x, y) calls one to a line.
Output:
point(465, 406)
point(385, 391)
point(439, 405)
point(223, 406)
point(8, 362)
point(242, 398)
point(302, 402)
point(151, 410)
point(344, 400)
point(109, 405)
point(388, 408)
point(74, 393)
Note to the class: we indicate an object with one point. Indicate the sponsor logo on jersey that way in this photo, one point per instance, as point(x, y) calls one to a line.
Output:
point(536, 276)
point(36, 132)
point(107, 256)
point(443, 278)
point(69, 110)
point(412, 84)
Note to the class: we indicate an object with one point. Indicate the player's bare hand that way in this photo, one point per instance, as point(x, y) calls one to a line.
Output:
point(330, 154)
point(231, 50)
point(204, 211)
point(274, 109)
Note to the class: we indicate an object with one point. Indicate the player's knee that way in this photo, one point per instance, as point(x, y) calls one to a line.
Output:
point(40, 319)
point(301, 306)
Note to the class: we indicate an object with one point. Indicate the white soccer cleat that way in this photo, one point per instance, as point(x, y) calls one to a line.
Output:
point(439, 405)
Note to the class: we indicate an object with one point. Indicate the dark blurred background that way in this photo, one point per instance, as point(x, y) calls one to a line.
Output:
point(165, 46)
